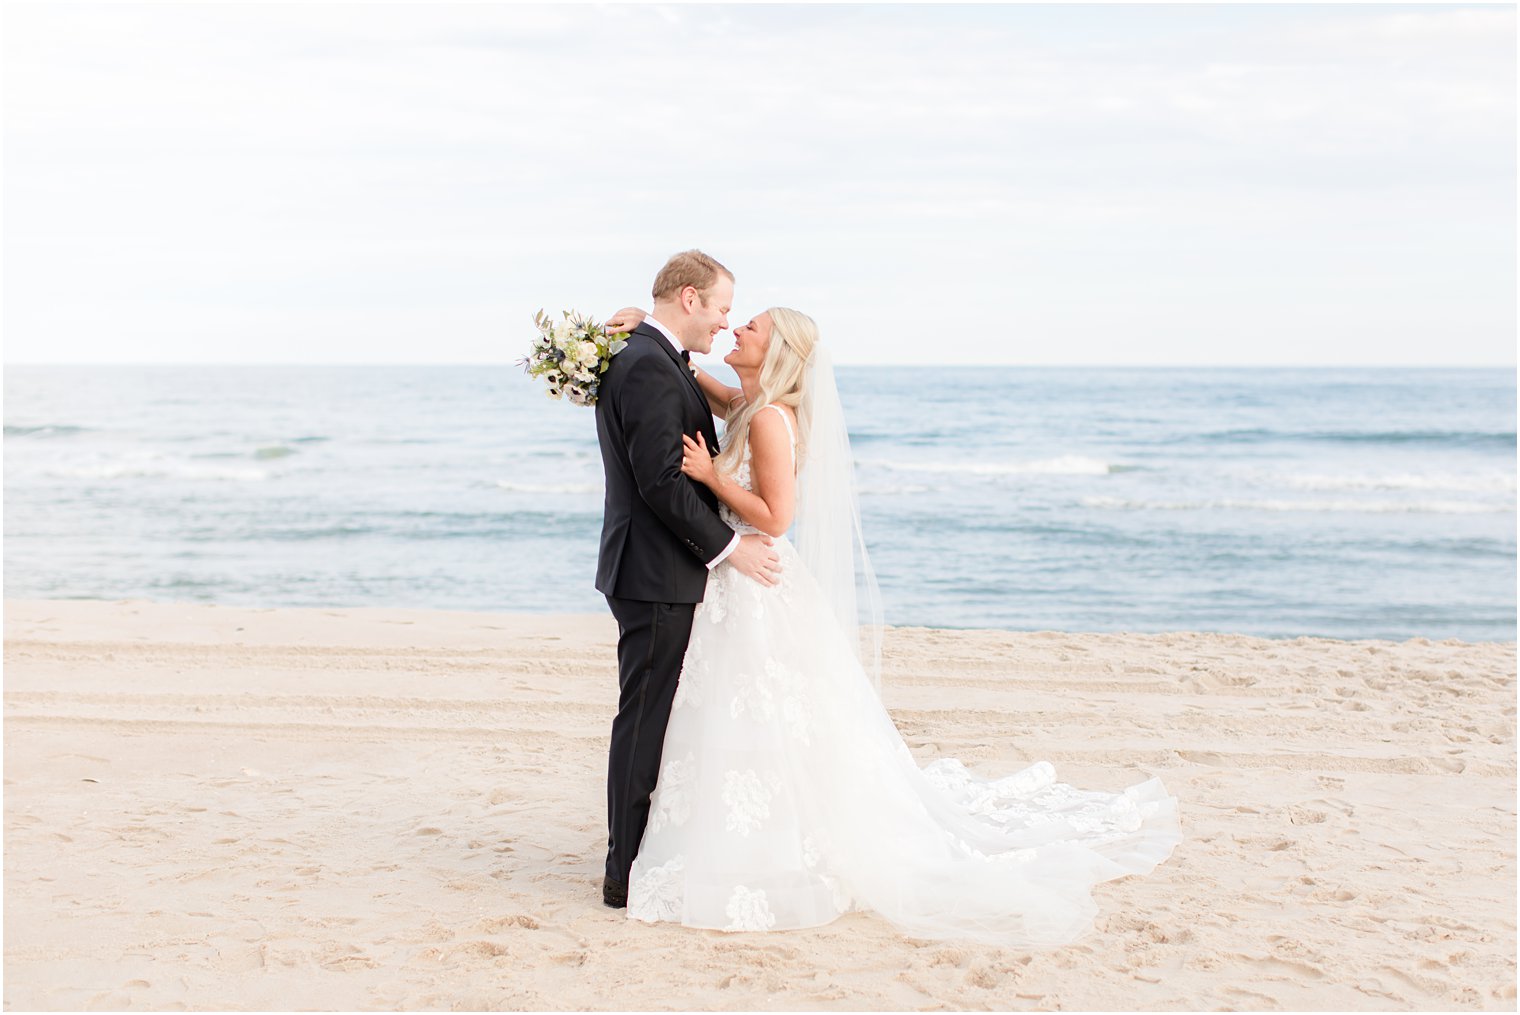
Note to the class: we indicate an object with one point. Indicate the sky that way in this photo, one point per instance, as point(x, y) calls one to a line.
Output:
point(1093, 185)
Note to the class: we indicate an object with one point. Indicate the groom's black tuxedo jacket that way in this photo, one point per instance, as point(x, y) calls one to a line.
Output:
point(659, 528)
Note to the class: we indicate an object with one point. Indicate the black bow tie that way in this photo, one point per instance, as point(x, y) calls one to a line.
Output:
point(686, 356)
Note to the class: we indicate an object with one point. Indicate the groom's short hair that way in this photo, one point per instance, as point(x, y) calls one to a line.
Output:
point(688, 268)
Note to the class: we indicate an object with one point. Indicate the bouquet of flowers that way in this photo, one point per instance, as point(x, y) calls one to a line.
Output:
point(570, 355)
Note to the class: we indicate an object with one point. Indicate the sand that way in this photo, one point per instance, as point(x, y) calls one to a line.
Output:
point(217, 807)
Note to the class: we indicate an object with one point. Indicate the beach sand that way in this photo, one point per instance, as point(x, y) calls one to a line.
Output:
point(218, 807)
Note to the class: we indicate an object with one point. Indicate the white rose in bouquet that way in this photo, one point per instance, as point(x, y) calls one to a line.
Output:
point(570, 356)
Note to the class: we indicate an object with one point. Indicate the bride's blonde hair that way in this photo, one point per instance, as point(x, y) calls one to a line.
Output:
point(783, 379)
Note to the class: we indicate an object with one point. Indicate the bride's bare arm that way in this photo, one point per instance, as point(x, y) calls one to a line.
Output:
point(770, 507)
point(720, 397)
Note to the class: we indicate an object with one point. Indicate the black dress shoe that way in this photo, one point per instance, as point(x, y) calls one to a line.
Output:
point(614, 894)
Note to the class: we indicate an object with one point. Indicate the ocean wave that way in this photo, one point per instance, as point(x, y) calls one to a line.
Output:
point(1063, 465)
point(1472, 483)
point(508, 485)
point(893, 491)
point(337, 530)
point(1462, 438)
point(44, 430)
point(569, 454)
point(155, 467)
point(1363, 506)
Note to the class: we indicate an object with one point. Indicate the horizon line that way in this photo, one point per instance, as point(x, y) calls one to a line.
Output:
point(909, 363)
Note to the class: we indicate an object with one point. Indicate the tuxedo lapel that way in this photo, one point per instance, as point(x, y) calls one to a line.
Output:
point(660, 340)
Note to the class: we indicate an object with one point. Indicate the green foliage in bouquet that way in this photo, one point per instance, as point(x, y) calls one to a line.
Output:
point(570, 356)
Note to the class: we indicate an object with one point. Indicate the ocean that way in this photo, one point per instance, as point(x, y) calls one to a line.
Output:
point(1341, 502)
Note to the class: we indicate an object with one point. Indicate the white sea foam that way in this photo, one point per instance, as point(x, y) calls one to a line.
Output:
point(1232, 504)
point(148, 469)
point(549, 487)
point(1063, 465)
point(1485, 482)
point(880, 490)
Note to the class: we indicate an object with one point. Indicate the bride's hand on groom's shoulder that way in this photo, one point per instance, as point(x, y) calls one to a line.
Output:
point(697, 462)
point(624, 321)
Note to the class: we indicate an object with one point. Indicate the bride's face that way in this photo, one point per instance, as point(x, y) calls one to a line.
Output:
point(750, 342)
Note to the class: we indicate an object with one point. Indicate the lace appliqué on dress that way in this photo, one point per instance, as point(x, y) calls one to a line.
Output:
point(714, 604)
point(748, 910)
point(658, 892)
point(671, 801)
point(1033, 799)
point(748, 797)
point(695, 672)
point(754, 696)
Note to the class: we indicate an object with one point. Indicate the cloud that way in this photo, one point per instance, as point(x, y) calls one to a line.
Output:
point(342, 175)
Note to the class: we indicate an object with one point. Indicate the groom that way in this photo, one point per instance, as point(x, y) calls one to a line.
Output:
point(661, 532)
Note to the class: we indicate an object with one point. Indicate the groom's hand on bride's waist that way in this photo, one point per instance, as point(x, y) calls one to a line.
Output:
point(755, 558)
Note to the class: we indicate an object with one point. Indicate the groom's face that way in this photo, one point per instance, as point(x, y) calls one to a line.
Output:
point(706, 321)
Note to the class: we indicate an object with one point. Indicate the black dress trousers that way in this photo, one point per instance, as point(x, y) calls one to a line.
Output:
point(652, 641)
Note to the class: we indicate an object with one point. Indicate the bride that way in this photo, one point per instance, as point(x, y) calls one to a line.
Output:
point(786, 796)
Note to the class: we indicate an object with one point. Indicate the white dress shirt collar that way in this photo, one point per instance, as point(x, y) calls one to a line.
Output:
point(670, 337)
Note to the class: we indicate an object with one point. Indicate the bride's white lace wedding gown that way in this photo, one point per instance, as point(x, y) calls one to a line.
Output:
point(786, 796)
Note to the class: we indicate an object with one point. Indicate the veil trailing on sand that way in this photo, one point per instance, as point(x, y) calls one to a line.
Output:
point(829, 537)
